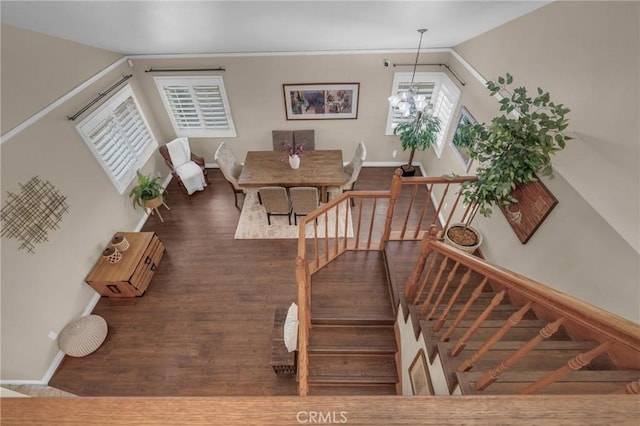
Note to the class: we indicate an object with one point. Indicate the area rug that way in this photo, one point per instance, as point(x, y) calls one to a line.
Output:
point(253, 224)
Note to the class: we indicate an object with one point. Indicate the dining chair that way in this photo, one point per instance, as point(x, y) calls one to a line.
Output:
point(304, 200)
point(351, 172)
point(187, 168)
point(280, 138)
point(275, 201)
point(230, 168)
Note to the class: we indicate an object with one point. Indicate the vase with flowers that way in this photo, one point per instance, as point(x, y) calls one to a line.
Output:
point(293, 152)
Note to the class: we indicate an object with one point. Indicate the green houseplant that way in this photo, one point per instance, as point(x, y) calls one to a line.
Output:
point(514, 147)
point(148, 192)
point(417, 134)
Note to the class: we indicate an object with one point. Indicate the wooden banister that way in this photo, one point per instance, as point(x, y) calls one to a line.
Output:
point(580, 316)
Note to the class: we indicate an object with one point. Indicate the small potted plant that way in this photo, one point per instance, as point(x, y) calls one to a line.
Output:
point(293, 152)
point(148, 192)
point(512, 149)
point(417, 134)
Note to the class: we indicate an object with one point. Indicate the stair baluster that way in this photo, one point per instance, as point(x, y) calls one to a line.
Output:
point(445, 287)
point(474, 296)
point(434, 286)
point(574, 364)
point(462, 342)
point(463, 282)
point(492, 375)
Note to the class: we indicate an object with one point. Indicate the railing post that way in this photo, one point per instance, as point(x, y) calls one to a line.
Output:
point(304, 319)
point(412, 283)
point(396, 187)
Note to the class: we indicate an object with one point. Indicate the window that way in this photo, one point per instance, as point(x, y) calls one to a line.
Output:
point(119, 137)
point(197, 106)
point(441, 92)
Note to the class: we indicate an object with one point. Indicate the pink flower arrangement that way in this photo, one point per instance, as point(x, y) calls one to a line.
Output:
point(292, 149)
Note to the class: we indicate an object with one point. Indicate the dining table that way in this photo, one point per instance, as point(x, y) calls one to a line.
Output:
point(318, 168)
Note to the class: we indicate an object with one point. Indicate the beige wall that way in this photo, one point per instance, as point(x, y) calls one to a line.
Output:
point(42, 292)
point(254, 89)
point(37, 70)
point(582, 248)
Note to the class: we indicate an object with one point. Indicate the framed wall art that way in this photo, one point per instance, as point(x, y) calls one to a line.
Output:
point(321, 101)
point(419, 375)
point(535, 202)
point(457, 143)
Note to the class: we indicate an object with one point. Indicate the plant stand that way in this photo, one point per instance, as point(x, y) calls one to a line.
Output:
point(153, 205)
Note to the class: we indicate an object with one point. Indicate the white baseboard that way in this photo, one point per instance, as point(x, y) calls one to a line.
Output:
point(53, 367)
point(21, 382)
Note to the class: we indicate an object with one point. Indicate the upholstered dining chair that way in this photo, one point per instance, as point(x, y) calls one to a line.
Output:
point(187, 168)
point(304, 200)
point(230, 168)
point(275, 201)
point(280, 138)
point(351, 172)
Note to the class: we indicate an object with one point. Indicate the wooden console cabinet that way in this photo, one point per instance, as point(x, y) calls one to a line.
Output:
point(130, 276)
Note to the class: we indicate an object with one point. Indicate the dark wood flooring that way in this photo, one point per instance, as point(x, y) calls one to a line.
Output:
point(203, 327)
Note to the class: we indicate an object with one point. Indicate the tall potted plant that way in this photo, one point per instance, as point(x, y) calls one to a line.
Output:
point(417, 134)
point(148, 192)
point(513, 148)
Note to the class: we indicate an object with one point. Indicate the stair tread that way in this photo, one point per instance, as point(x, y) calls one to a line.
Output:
point(349, 366)
point(352, 350)
point(318, 319)
point(315, 379)
point(352, 389)
point(352, 336)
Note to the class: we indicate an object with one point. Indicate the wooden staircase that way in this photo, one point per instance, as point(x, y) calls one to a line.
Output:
point(491, 339)
point(485, 330)
point(352, 343)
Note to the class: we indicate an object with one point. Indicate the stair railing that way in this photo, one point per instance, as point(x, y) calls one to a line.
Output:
point(615, 336)
point(366, 220)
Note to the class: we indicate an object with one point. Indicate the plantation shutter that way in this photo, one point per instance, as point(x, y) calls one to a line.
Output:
point(197, 106)
point(444, 104)
point(119, 137)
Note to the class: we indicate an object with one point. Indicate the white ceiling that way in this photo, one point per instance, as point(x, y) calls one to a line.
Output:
point(191, 27)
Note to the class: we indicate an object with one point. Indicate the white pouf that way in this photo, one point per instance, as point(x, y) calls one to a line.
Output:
point(83, 335)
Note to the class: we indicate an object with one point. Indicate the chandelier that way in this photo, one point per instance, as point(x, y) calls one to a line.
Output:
point(408, 102)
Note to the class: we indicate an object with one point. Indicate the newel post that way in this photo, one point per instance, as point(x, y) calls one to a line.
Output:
point(304, 315)
point(396, 187)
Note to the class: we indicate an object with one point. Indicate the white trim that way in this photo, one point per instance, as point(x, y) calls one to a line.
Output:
point(46, 110)
point(286, 53)
point(92, 304)
point(21, 382)
point(468, 67)
point(53, 367)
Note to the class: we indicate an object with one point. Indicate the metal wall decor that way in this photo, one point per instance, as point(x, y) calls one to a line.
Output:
point(31, 214)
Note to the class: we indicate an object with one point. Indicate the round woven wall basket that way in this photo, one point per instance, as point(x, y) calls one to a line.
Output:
point(83, 335)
